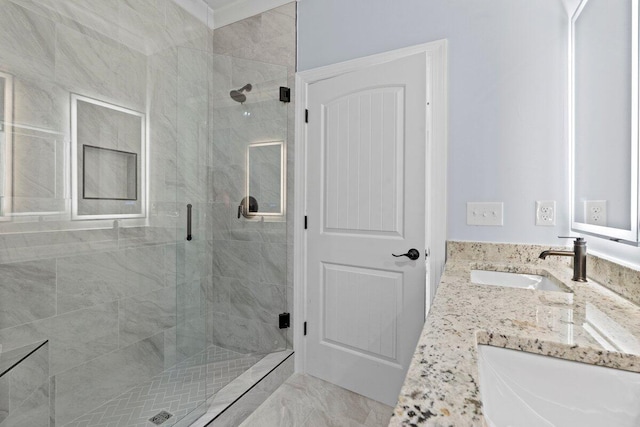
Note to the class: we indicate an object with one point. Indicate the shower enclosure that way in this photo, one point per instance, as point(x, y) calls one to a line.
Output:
point(135, 284)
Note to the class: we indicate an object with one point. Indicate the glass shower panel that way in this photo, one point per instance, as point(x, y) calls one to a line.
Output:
point(249, 206)
point(99, 120)
point(114, 116)
point(193, 241)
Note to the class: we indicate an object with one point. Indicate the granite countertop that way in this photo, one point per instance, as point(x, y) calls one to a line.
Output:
point(441, 387)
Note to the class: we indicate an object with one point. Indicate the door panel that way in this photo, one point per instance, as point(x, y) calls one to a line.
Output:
point(366, 188)
point(371, 330)
point(356, 197)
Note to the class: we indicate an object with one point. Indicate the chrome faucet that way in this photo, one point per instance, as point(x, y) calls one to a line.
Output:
point(579, 255)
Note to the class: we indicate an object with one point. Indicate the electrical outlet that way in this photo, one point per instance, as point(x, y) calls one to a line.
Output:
point(546, 212)
point(485, 213)
point(595, 212)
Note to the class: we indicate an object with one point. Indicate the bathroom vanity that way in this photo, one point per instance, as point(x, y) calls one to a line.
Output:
point(578, 322)
point(566, 353)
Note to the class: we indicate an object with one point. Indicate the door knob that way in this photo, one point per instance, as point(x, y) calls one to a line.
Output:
point(413, 254)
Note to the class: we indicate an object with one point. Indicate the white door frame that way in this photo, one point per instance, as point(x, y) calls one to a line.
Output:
point(436, 198)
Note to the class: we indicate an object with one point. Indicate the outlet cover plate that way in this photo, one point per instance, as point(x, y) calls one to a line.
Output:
point(595, 212)
point(485, 213)
point(546, 212)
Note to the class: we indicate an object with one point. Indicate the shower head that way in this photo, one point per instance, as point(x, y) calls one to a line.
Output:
point(238, 96)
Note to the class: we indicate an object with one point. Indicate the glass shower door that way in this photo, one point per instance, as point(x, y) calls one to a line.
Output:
point(193, 236)
point(231, 277)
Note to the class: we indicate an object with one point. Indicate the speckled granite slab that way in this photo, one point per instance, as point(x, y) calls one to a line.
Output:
point(618, 278)
point(591, 324)
point(505, 253)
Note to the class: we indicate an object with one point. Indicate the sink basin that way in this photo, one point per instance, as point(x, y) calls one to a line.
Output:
point(515, 280)
point(529, 390)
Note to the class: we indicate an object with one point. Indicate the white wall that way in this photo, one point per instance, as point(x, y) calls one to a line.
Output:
point(507, 95)
point(507, 86)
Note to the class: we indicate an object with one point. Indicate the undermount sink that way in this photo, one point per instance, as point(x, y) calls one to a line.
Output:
point(515, 280)
point(529, 390)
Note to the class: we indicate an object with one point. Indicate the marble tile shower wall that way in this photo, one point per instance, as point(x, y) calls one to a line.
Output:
point(24, 387)
point(117, 304)
point(252, 283)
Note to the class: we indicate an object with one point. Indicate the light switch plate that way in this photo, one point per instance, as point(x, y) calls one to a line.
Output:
point(485, 213)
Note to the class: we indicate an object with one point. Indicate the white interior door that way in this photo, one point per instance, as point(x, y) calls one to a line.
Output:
point(366, 197)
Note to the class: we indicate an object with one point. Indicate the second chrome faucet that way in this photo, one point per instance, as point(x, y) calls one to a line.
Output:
point(579, 255)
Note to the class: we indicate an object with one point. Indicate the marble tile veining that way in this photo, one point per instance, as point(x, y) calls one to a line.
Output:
point(238, 399)
point(100, 277)
point(441, 388)
point(307, 401)
point(99, 380)
point(245, 334)
point(144, 316)
point(249, 256)
point(178, 390)
point(119, 304)
point(28, 42)
point(27, 292)
point(24, 386)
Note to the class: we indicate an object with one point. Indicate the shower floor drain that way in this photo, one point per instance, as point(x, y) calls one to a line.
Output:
point(160, 418)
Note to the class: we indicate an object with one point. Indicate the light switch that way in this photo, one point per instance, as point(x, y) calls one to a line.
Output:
point(485, 213)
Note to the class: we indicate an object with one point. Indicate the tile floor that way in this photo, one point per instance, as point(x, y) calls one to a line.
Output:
point(177, 390)
point(310, 402)
point(238, 399)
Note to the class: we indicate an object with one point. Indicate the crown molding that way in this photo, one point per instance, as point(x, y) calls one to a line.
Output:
point(199, 9)
point(242, 9)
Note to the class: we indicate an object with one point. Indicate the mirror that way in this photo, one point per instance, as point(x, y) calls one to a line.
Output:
point(33, 157)
point(6, 108)
point(265, 179)
point(108, 160)
point(604, 118)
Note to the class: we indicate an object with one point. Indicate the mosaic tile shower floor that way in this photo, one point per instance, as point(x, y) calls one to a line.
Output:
point(178, 390)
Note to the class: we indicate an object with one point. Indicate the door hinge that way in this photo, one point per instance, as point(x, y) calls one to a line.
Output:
point(306, 116)
point(284, 320)
point(304, 331)
point(305, 222)
point(285, 94)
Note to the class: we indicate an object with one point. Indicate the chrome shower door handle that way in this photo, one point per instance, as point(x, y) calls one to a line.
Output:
point(412, 254)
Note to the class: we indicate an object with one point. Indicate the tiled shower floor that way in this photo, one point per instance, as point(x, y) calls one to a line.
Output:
point(178, 390)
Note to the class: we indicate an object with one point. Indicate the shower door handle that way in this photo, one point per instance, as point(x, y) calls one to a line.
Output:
point(189, 222)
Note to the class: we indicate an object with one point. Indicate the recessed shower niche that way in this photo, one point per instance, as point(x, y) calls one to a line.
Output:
point(108, 160)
